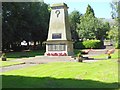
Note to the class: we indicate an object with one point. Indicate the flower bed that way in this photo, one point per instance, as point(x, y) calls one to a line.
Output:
point(56, 54)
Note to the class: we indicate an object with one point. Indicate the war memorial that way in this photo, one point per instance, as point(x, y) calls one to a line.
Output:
point(59, 41)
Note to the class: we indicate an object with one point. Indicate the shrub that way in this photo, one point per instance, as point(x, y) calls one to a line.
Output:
point(88, 44)
point(92, 44)
point(78, 45)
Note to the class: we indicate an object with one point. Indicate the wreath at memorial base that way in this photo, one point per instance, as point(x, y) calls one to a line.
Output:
point(56, 54)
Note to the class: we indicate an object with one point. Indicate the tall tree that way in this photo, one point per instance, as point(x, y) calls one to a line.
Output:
point(74, 19)
point(115, 10)
point(89, 11)
point(114, 32)
point(91, 27)
point(101, 29)
point(24, 21)
point(86, 26)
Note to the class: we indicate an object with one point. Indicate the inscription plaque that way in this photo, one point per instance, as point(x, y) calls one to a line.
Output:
point(56, 47)
point(56, 36)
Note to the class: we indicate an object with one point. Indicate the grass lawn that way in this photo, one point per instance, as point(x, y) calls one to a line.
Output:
point(15, 55)
point(7, 63)
point(115, 55)
point(101, 74)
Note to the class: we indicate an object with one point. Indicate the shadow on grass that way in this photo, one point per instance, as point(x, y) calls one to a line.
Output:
point(9, 81)
point(97, 59)
point(26, 54)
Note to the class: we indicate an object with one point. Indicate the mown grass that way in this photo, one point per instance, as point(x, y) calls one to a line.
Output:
point(27, 54)
point(115, 55)
point(101, 74)
point(14, 55)
point(4, 63)
point(17, 55)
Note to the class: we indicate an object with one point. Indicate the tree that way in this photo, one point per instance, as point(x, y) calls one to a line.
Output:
point(114, 32)
point(91, 27)
point(101, 29)
point(86, 27)
point(115, 10)
point(24, 21)
point(74, 19)
point(89, 11)
point(39, 26)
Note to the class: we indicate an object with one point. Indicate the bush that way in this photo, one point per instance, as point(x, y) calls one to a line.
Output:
point(78, 45)
point(96, 44)
point(93, 44)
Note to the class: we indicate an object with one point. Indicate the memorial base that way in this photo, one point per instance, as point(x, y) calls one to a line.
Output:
point(59, 48)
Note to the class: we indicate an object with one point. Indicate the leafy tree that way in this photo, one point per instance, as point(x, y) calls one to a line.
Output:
point(89, 11)
point(115, 10)
point(114, 32)
point(91, 27)
point(86, 26)
point(101, 29)
point(74, 19)
point(24, 21)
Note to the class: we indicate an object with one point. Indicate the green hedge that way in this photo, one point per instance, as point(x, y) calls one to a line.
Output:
point(92, 44)
point(79, 45)
point(96, 44)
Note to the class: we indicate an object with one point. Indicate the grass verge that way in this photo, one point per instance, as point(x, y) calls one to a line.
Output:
point(101, 74)
point(27, 54)
point(7, 63)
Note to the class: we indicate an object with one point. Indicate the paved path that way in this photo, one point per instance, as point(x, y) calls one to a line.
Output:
point(35, 61)
point(14, 67)
point(38, 60)
point(95, 52)
point(48, 59)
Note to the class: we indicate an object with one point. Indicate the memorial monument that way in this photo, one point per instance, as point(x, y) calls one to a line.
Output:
point(59, 41)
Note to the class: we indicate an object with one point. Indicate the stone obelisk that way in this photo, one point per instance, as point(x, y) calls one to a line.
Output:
point(59, 41)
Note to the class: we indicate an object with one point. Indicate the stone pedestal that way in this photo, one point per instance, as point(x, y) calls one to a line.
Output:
point(59, 36)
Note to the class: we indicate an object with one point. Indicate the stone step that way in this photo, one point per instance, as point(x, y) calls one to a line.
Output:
point(49, 57)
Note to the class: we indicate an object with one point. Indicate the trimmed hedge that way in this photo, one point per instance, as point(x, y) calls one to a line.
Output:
point(92, 44)
point(96, 44)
